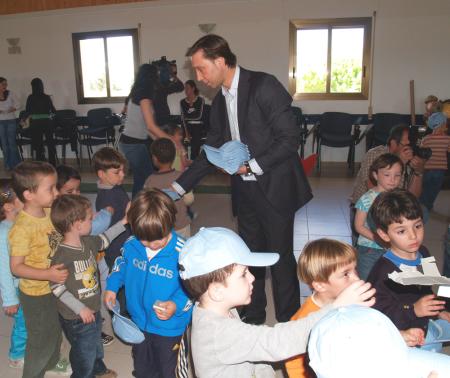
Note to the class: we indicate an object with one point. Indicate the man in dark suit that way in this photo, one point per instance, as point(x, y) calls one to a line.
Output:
point(254, 107)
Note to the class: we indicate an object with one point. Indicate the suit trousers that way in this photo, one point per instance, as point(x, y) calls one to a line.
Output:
point(264, 229)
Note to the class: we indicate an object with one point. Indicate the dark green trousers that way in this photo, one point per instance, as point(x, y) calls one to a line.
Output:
point(44, 334)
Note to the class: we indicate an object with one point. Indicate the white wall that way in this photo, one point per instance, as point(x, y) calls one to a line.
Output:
point(411, 42)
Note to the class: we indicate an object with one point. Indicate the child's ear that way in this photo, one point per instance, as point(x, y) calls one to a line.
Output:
point(375, 176)
point(318, 286)
point(28, 195)
point(383, 235)
point(215, 292)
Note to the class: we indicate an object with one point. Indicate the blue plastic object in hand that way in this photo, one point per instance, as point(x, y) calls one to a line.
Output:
point(230, 156)
point(125, 328)
point(172, 194)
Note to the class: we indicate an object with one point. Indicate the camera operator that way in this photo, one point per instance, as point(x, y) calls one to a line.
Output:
point(398, 143)
point(164, 89)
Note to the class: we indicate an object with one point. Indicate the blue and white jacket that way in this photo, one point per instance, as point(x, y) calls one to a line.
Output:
point(148, 281)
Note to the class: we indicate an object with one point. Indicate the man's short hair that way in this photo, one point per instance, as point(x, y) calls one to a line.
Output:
point(322, 257)
point(197, 286)
point(383, 161)
point(65, 173)
point(213, 47)
point(67, 209)
point(151, 215)
point(27, 176)
point(391, 206)
point(107, 158)
point(396, 133)
point(164, 150)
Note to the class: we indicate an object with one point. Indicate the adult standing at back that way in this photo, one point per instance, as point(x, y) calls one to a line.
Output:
point(255, 108)
point(192, 116)
point(8, 106)
point(140, 126)
point(40, 107)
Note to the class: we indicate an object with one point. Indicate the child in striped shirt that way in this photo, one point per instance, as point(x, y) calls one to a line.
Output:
point(436, 166)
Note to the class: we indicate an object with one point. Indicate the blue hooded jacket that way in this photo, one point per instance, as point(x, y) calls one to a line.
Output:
point(148, 281)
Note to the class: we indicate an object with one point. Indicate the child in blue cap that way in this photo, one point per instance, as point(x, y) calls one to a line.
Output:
point(214, 269)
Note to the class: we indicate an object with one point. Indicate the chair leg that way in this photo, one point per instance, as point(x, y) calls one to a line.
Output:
point(319, 157)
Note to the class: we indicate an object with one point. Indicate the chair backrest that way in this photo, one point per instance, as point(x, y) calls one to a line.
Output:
point(382, 125)
point(336, 123)
point(99, 117)
point(298, 114)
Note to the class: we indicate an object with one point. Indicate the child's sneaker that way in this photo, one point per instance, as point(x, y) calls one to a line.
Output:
point(107, 374)
point(107, 339)
point(16, 364)
point(61, 368)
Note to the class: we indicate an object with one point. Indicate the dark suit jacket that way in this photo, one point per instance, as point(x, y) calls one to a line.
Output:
point(267, 125)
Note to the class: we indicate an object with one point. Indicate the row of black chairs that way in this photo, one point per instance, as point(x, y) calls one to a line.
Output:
point(97, 128)
point(337, 129)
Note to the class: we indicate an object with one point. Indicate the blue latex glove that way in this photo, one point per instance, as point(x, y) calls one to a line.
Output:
point(172, 194)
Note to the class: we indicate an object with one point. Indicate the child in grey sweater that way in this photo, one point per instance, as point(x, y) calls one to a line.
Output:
point(214, 269)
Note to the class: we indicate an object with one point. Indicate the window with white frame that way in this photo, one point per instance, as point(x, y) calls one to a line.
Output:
point(105, 65)
point(330, 59)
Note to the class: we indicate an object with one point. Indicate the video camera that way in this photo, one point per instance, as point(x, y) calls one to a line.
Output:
point(416, 134)
point(166, 69)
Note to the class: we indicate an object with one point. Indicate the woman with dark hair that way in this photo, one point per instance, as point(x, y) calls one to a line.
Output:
point(40, 107)
point(140, 126)
point(8, 126)
point(192, 116)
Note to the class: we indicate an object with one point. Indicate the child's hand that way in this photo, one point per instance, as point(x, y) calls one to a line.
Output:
point(109, 209)
point(57, 273)
point(358, 293)
point(11, 310)
point(125, 218)
point(109, 298)
point(413, 336)
point(428, 306)
point(87, 315)
point(169, 309)
point(444, 315)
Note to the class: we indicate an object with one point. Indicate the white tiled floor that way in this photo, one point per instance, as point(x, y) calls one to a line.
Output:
point(325, 216)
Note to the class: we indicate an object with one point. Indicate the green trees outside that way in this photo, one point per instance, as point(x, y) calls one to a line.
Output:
point(345, 78)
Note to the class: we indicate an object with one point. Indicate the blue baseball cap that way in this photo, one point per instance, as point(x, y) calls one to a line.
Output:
point(357, 341)
point(125, 328)
point(217, 247)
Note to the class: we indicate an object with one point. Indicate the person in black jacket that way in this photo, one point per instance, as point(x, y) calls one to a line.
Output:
point(40, 107)
point(255, 108)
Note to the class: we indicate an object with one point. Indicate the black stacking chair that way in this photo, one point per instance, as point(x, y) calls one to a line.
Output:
point(23, 136)
point(98, 130)
point(336, 129)
point(66, 132)
point(381, 126)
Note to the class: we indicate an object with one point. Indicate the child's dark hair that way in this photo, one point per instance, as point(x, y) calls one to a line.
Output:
point(27, 176)
point(383, 161)
point(164, 150)
point(7, 195)
point(390, 207)
point(197, 286)
point(65, 173)
point(67, 209)
point(106, 158)
point(151, 215)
